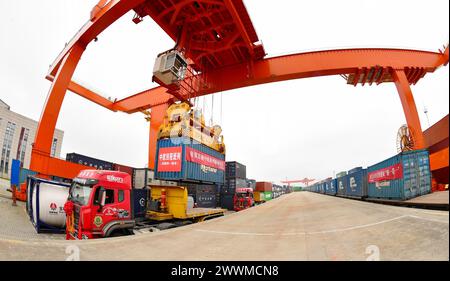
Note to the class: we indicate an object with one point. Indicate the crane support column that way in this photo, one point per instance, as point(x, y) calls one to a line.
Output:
point(409, 107)
point(157, 117)
point(41, 159)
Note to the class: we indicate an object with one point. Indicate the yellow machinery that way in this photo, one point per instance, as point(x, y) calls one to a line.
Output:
point(182, 120)
point(258, 196)
point(171, 203)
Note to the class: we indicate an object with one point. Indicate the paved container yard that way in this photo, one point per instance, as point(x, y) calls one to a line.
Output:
point(439, 197)
point(298, 226)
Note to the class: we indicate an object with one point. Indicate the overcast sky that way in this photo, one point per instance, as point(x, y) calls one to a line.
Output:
point(295, 129)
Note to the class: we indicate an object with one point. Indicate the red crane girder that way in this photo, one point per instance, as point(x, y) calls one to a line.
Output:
point(306, 65)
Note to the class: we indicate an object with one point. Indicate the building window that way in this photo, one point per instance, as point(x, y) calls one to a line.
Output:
point(6, 149)
point(22, 147)
point(53, 152)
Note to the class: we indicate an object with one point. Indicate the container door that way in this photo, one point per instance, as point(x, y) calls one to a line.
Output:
point(410, 175)
point(140, 197)
point(424, 173)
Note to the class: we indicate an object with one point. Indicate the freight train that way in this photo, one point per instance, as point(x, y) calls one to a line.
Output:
point(401, 177)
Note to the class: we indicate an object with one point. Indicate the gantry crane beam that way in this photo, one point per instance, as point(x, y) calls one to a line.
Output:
point(305, 181)
point(303, 65)
point(295, 66)
point(239, 63)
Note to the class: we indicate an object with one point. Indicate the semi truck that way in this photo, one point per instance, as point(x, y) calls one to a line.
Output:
point(243, 199)
point(104, 204)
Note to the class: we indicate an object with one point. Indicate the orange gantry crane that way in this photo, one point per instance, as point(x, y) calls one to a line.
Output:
point(305, 181)
point(223, 52)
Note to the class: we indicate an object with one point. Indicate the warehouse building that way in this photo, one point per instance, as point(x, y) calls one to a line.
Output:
point(16, 137)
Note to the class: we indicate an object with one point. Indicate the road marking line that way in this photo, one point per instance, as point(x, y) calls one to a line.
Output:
point(359, 226)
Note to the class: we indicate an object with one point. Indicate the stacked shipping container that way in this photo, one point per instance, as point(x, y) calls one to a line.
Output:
point(235, 177)
point(204, 195)
point(251, 184)
point(181, 159)
point(89, 161)
point(263, 192)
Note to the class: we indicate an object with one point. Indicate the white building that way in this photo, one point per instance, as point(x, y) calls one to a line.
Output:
point(16, 136)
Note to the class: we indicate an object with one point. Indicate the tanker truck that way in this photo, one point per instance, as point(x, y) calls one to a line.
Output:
point(104, 204)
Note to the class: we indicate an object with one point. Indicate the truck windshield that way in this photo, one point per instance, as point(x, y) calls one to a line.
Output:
point(243, 195)
point(80, 193)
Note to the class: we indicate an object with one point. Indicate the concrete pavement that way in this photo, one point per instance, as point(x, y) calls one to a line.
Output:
point(438, 197)
point(298, 226)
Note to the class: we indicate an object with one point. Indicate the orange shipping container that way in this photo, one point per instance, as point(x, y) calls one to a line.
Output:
point(263, 186)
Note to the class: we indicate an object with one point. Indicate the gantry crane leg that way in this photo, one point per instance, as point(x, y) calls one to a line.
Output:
point(41, 160)
point(409, 107)
point(157, 117)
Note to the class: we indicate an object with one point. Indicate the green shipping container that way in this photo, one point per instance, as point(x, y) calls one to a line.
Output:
point(268, 195)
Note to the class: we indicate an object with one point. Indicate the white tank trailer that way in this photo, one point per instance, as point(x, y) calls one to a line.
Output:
point(45, 204)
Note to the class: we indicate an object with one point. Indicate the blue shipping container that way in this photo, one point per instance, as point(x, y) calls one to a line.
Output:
point(320, 187)
point(415, 179)
point(227, 201)
point(24, 173)
point(140, 200)
point(354, 170)
point(357, 183)
point(325, 185)
point(190, 171)
point(341, 183)
point(331, 187)
point(89, 161)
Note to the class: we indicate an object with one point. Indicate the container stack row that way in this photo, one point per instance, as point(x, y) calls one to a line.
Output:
point(279, 190)
point(401, 177)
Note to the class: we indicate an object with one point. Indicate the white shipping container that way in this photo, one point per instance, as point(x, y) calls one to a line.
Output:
point(139, 178)
point(146, 178)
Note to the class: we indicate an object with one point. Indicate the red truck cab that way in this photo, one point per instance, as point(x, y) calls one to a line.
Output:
point(243, 199)
point(99, 205)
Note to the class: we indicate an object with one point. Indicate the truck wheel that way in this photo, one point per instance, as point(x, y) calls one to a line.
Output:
point(166, 225)
point(116, 233)
point(120, 232)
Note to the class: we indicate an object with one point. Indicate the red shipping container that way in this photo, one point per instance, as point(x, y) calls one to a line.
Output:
point(263, 186)
point(123, 168)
